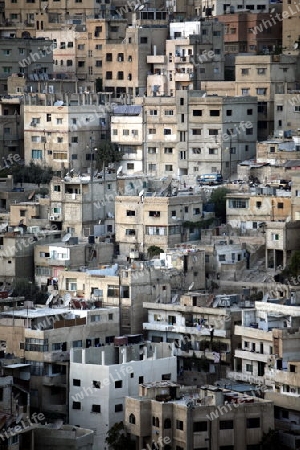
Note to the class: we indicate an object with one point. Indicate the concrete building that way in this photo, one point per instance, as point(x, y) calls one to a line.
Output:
point(143, 221)
point(196, 418)
point(101, 378)
point(286, 109)
point(239, 37)
point(31, 58)
point(290, 27)
point(264, 76)
point(11, 129)
point(62, 131)
point(61, 437)
point(188, 59)
point(44, 337)
point(83, 205)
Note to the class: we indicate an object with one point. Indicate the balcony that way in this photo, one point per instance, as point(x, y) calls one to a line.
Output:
point(59, 409)
point(163, 326)
point(284, 401)
point(55, 380)
point(251, 356)
point(156, 59)
point(56, 356)
point(254, 333)
point(184, 77)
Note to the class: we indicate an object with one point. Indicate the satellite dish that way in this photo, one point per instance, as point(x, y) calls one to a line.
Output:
point(66, 237)
point(119, 170)
point(67, 298)
point(58, 103)
point(296, 45)
point(191, 285)
point(141, 193)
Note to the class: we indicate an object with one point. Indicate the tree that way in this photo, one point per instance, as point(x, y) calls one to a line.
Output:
point(107, 152)
point(153, 250)
point(293, 268)
point(24, 288)
point(33, 173)
point(271, 441)
point(117, 439)
point(218, 198)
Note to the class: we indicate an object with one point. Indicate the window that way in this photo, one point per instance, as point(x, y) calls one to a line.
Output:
point(249, 131)
point(60, 140)
point(131, 419)
point(130, 213)
point(212, 151)
point(253, 422)
point(71, 284)
point(143, 40)
point(196, 151)
point(213, 132)
point(275, 237)
point(169, 112)
point(153, 112)
point(166, 376)
point(249, 112)
point(96, 409)
point(229, 112)
point(261, 71)
point(110, 316)
point(196, 211)
point(280, 205)
point(297, 109)
point(182, 154)
point(118, 384)
point(152, 167)
point(76, 405)
point(156, 231)
point(76, 382)
point(197, 112)
point(108, 75)
point(238, 203)
point(179, 425)
point(167, 131)
point(214, 112)
point(119, 408)
point(154, 213)
point(196, 131)
point(261, 91)
point(141, 380)
point(245, 71)
point(130, 166)
point(152, 131)
point(199, 426)
point(152, 150)
point(112, 290)
point(258, 204)
point(226, 424)
point(58, 121)
point(77, 344)
point(245, 91)
point(168, 168)
point(120, 75)
point(74, 139)
point(36, 154)
point(249, 368)
point(279, 108)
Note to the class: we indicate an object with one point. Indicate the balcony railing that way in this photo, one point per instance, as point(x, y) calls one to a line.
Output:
point(56, 356)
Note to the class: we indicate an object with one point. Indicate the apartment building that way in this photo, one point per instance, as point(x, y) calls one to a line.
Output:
point(101, 378)
point(62, 131)
point(143, 221)
point(11, 128)
point(83, 205)
point(194, 53)
point(240, 35)
point(264, 76)
point(290, 27)
point(286, 111)
point(16, 252)
point(45, 337)
point(28, 58)
point(205, 417)
point(277, 152)
point(295, 194)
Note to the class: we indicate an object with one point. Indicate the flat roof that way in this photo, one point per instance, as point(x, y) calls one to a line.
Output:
point(33, 313)
point(16, 366)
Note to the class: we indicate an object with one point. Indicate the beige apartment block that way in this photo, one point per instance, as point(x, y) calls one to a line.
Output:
point(62, 131)
point(277, 152)
point(295, 197)
point(264, 76)
point(11, 129)
point(46, 337)
point(143, 221)
point(287, 111)
point(83, 206)
point(194, 53)
point(246, 211)
point(16, 252)
point(281, 242)
point(127, 131)
point(290, 27)
point(126, 66)
point(24, 18)
point(195, 418)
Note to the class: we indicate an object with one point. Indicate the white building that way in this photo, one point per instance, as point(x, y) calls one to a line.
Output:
point(101, 378)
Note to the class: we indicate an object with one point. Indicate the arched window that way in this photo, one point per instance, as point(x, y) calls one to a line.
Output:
point(132, 418)
point(167, 424)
